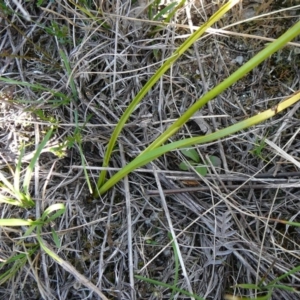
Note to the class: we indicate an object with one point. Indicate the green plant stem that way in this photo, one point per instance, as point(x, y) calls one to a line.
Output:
point(242, 71)
point(189, 42)
point(149, 156)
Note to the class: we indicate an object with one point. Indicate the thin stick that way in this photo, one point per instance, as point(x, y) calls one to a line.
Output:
point(165, 207)
point(129, 226)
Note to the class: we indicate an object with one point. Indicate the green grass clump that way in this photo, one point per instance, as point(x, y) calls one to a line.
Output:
point(155, 149)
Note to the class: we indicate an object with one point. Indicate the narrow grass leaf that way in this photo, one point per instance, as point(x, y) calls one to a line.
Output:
point(55, 238)
point(59, 207)
point(241, 72)
point(96, 19)
point(68, 267)
point(28, 232)
point(18, 261)
point(283, 287)
point(146, 88)
point(18, 222)
point(164, 11)
point(13, 259)
point(33, 161)
point(231, 297)
point(149, 156)
point(86, 175)
point(291, 272)
point(10, 201)
point(248, 286)
point(172, 13)
point(69, 71)
point(7, 185)
point(159, 283)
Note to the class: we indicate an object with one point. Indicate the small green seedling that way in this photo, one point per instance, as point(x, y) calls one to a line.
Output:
point(165, 15)
point(196, 163)
point(60, 32)
point(258, 149)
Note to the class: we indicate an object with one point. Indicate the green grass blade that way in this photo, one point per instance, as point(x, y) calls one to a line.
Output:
point(24, 83)
point(68, 267)
point(178, 52)
point(242, 71)
point(156, 282)
point(172, 13)
point(75, 95)
point(29, 231)
point(149, 156)
point(33, 161)
point(18, 170)
point(291, 272)
point(59, 207)
point(10, 201)
point(7, 185)
point(18, 261)
point(69, 71)
point(283, 287)
point(164, 11)
point(231, 297)
point(19, 222)
point(55, 238)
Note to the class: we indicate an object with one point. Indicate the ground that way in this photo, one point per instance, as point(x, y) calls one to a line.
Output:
point(71, 69)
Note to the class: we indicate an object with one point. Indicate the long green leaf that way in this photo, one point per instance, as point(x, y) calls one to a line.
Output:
point(11, 201)
point(242, 71)
point(19, 222)
point(178, 52)
point(149, 156)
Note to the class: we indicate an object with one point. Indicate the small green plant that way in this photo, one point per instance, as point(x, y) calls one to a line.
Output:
point(19, 194)
point(165, 14)
point(155, 149)
point(16, 261)
point(259, 149)
point(168, 12)
point(267, 288)
point(12, 265)
point(196, 163)
point(60, 32)
point(86, 8)
point(259, 146)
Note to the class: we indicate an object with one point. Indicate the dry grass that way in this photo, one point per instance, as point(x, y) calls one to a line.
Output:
point(222, 223)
